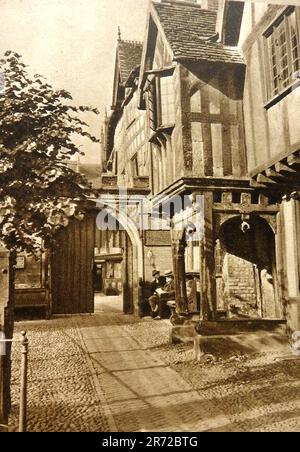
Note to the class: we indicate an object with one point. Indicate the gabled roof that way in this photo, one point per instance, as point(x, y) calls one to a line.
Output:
point(187, 28)
point(128, 61)
point(129, 55)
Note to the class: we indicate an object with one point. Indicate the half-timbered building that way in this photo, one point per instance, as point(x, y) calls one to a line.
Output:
point(203, 126)
point(269, 41)
point(192, 85)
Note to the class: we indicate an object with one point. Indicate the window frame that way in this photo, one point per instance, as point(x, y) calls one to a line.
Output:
point(160, 103)
point(274, 93)
point(155, 100)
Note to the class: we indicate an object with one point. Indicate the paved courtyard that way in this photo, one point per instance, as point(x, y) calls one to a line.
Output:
point(110, 372)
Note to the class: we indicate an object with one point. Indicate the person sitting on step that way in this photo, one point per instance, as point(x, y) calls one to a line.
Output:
point(158, 282)
point(158, 301)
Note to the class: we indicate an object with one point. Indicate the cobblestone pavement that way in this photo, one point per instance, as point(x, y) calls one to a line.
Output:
point(61, 391)
point(111, 372)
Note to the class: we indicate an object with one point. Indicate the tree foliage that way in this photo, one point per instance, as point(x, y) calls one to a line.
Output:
point(39, 192)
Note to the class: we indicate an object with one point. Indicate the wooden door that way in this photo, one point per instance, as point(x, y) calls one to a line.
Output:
point(72, 268)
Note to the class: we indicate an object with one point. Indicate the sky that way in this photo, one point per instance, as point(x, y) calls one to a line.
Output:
point(72, 43)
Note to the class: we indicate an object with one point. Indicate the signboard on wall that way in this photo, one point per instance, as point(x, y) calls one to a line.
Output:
point(157, 238)
point(20, 264)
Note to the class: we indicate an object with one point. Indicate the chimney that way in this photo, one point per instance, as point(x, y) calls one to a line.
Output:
point(212, 5)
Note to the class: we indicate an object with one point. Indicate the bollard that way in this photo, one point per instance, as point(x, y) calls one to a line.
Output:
point(2, 344)
point(23, 390)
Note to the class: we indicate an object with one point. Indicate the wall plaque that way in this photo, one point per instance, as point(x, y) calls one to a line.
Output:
point(158, 238)
point(20, 264)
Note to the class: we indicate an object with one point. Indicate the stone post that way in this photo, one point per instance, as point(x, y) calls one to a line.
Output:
point(219, 258)
point(178, 247)
point(207, 261)
point(6, 326)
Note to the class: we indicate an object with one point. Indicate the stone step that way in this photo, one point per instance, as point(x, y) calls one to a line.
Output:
point(237, 326)
point(244, 343)
point(185, 332)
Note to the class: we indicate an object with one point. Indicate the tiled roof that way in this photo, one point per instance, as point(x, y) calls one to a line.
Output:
point(187, 28)
point(130, 55)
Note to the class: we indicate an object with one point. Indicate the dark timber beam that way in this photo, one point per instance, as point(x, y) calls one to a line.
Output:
point(262, 179)
point(255, 184)
point(292, 180)
point(271, 174)
point(284, 169)
point(294, 161)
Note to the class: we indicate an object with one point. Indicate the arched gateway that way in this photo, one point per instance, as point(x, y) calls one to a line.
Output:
point(80, 248)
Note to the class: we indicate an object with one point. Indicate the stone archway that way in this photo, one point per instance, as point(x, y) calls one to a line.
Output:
point(133, 268)
point(72, 263)
point(246, 274)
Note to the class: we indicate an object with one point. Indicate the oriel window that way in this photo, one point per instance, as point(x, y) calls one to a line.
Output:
point(167, 101)
point(283, 52)
point(161, 101)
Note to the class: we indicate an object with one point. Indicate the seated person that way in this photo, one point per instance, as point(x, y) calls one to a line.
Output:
point(158, 301)
point(158, 282)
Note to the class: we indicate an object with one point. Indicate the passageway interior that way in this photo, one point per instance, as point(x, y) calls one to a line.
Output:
point(247, 284)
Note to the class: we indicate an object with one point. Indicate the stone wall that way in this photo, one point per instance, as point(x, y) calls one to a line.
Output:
point(162, 259)
point(239, 286)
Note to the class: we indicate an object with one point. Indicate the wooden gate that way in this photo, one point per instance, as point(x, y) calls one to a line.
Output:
point(72, 268)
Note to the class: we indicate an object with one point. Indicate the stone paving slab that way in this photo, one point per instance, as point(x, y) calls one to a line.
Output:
point(153, 381)
point(97, 332)
point(142, 392)
point(115, 390)
point(124, 360)
point(111, 344)
point(172, 413)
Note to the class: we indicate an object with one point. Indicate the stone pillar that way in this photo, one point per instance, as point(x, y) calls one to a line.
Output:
point(219, 258)
point(6, 326)
point(178, 247)
point(207, 261)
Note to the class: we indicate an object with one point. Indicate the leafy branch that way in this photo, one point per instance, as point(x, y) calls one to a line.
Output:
point(39, 193)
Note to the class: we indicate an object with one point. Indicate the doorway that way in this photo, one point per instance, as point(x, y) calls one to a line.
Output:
point(113, 269)
point(246, 274)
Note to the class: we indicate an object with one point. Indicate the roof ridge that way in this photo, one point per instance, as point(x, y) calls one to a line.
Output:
point(128, 41)
point(178, 2)
point(183, 4)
